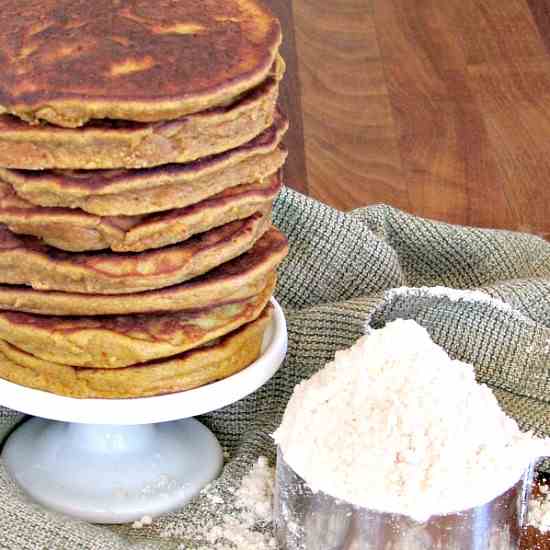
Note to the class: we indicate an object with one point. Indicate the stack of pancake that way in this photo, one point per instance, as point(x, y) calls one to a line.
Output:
point(140, 155)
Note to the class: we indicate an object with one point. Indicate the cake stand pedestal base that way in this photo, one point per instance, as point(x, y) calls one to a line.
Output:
point(112, 473)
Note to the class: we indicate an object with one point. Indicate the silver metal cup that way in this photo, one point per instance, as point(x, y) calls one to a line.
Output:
point(315, 521)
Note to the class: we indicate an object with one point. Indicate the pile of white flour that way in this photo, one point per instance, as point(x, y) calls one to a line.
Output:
point(393, 424)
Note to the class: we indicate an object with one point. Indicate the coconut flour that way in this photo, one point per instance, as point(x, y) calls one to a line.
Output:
point(394, 424)
point(236, 521)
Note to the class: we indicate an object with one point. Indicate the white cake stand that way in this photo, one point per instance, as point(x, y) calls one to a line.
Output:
point(118, 460)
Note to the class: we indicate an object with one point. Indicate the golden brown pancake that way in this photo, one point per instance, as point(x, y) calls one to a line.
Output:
point(235, 280)
point(189, 370)
point(124, 144)
point(135, 192)
point(68, 61)
point(77, 231)
point(115, 342)
point(25, 260)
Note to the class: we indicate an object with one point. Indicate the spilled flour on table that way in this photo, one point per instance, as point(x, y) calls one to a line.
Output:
point(145, 520)
point(256, 490)
point(247, 527)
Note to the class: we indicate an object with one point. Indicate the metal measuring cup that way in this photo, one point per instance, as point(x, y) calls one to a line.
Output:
point(305, 520)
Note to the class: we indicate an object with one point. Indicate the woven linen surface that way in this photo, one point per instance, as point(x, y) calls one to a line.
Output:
point(334, 282)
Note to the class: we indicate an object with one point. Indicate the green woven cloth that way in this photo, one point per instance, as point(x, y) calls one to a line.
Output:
point(333, 284)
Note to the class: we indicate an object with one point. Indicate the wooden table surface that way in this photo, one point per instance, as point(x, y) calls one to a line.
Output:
point(441, 108)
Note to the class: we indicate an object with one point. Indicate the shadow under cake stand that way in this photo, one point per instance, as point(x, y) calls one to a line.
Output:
point(118, 460)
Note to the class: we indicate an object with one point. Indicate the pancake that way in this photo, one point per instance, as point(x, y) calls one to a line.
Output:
point(76, 231)
point(235, 280)
point(135, 192)
point(25, 260)
point(189, 370)
point(115, 342)
point(124, 144)
point(68, 61)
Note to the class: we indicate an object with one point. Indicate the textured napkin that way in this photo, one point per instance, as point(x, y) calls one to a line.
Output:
point(337, 279)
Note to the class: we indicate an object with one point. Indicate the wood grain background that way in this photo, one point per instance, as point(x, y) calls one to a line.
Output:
point(441, 108)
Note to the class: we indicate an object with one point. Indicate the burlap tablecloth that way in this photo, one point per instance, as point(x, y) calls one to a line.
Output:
point(331, 285)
